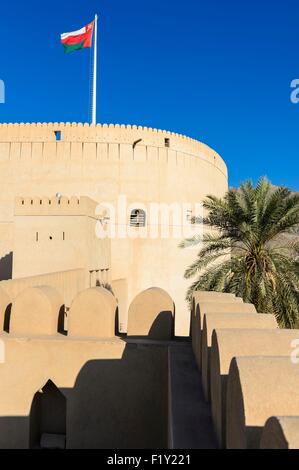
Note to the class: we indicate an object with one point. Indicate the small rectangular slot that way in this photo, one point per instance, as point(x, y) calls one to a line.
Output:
point(57, 135)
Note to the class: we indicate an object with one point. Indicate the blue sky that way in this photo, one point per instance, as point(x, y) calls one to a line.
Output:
point(219, 71)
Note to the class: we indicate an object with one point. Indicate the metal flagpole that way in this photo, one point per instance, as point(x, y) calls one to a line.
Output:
point(94, 86)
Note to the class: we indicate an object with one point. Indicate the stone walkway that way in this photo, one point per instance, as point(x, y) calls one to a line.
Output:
point(190, 422)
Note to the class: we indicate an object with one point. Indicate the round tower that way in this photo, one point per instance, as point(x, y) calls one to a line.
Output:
point(139, 173)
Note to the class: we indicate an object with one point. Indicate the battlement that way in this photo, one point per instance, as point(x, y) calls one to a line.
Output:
point(23, 130)
point(55, 206)
point(107, 133)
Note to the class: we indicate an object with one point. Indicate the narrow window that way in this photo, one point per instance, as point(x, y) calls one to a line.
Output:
point(137, 218)
point(57, 135)
point(36, 236)
point(63, 236)
point(167, 142)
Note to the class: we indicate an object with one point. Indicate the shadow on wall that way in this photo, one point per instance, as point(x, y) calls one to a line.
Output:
point(6, 267)
point(152, 315)
point(118, 403)
point(162, 323)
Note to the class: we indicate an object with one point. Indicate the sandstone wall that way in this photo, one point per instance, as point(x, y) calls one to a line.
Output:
point(103, 162)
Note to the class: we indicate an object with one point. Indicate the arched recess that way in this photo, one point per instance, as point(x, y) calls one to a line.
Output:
point(48, 418)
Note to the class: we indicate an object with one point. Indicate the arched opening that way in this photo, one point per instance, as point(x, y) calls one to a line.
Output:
point(138, 218)
point(48, 419)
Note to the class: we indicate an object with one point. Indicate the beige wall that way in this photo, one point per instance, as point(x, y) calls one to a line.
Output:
point(67, 283)
point(52, 235)
point(116, 394)
point(100, 162)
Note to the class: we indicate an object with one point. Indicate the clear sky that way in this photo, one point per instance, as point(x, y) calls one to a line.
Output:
point(216, 70)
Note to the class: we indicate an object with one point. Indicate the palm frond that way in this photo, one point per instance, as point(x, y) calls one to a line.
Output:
point(253, 250)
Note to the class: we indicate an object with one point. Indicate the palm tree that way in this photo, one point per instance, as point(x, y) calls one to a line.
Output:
point(252, 250)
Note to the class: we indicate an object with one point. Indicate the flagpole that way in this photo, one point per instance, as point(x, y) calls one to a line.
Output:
point(94, 86)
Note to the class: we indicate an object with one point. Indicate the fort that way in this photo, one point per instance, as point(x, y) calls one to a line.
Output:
point(101, 163)
point(98, 346)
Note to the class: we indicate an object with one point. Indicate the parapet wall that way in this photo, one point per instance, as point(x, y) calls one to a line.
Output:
point(96, 375)
point(249, 372)
point(78, 133)
point(247, 354)
point(67, 283)
point(93, 311)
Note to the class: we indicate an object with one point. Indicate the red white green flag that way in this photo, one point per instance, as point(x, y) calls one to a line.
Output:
point(80, 39)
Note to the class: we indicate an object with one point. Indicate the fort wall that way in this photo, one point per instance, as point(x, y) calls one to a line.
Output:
point(67, 283)
point(57, 234)
point(84, 133)
point(103, 162)
point(248, 356)
point(151, 385)
point(96, 374)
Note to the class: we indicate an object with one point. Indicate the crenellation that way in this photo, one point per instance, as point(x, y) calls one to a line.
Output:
point(78, 133)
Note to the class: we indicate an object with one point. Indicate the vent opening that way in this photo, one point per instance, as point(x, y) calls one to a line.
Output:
point(138, 218)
